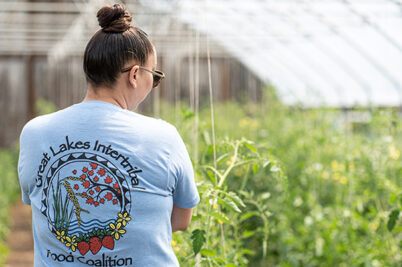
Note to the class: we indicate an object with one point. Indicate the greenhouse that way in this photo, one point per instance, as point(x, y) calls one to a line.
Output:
point(290, 110)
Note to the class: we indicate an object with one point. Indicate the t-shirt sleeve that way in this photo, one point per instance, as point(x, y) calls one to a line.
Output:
point(185, 194)
point(24, 175)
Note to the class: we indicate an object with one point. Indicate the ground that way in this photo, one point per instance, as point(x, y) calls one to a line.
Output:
point(20, 240)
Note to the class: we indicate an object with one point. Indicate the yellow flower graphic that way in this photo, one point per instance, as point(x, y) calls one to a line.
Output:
point(61, 236)
point(71, 242)
point(116, 231)
point(123, 218)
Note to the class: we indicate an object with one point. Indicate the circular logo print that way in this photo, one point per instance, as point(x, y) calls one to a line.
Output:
point(87, 202)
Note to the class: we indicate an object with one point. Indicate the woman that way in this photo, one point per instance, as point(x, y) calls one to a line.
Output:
point(108, 186)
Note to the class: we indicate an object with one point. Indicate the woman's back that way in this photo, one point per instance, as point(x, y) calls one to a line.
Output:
point(102, 182)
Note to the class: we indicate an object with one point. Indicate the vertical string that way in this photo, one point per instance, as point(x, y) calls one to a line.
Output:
point(177, 90)
point(197, 95)
point(211, 102)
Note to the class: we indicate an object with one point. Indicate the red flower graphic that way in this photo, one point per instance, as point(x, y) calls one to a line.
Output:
point(116, 185)
point(91, 192)
point(96, 179)
point(96, 203)
point(108, 180)
point(114, 201)
point(102, 201)
point(91, 172)
point(76, 187)
point(97, 189)
point(83, 176)
point(86, 184)
point(85, 169)
point(101, 172)
point(90, 201)
point(109, 196)
point(93, 165)
point(75, 171)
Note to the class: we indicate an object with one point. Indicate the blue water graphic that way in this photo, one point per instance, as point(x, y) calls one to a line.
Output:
point(88, 226)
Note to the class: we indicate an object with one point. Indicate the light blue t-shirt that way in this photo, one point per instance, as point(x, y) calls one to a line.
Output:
point(102, 181)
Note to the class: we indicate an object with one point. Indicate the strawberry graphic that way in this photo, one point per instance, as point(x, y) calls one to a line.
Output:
point(83, 247)
point(108, 242)
point(85, 169)
point(109, 196)
point(75, 171)
point(93, 165)
point(91, 172)
point(108, 180)
point(94, 244)
point(96, 179)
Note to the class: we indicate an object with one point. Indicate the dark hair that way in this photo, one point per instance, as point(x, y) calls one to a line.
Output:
point(114, 45)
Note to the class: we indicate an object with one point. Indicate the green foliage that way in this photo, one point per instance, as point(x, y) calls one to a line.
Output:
point(198, 237)
point(9, 189)
point(312, 189)
point(42, 107)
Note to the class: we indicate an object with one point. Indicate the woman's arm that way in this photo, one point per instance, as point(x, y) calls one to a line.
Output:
point(181, 218)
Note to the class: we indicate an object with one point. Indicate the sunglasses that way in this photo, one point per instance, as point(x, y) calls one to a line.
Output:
point(156, 75)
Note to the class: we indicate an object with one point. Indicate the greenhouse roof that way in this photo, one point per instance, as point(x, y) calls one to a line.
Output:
point(324, 52)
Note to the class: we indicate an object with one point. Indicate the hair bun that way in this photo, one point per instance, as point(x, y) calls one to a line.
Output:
point(114, 18)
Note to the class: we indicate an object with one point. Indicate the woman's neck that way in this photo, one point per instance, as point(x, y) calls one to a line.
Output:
point(107, 95)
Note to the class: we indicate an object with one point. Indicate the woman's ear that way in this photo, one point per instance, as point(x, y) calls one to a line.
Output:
point(132, 76)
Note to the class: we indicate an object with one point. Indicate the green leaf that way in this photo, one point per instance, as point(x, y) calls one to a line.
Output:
point(249, 214)
point(251, 147)
point(229, 203)
point(220, 260)
point(255, 168)
point(237, 199)
point(392, 199)
point(393, 217)
point(266, 163)
point(198, 237)
point(220, 217)
point(208, 252)
point(248, 252)
point(196, 217)
point(247, 234)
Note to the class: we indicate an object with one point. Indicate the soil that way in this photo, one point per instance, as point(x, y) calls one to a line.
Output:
point(20, 240)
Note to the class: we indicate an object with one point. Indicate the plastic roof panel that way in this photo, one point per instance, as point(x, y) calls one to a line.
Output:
point(315, 52)
point(333, 53)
